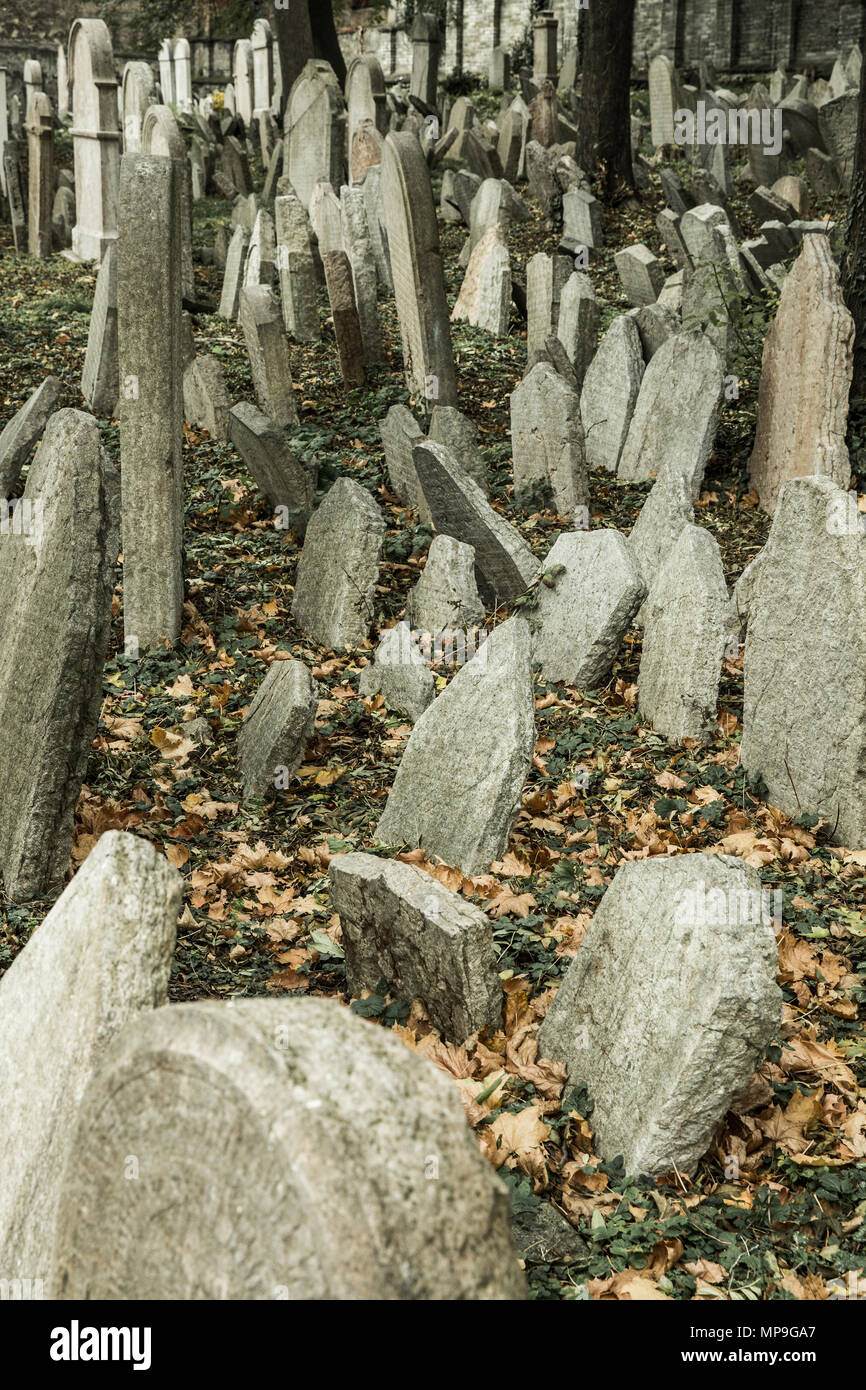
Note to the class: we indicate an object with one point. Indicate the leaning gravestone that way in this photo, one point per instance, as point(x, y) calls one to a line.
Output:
point(56, 579)
point(399, 924)
point(206, 399)
point(101, 956)
point(100, 382)
point(505, 566)
point(315, 131)
point(458, 787)
point(359, 249)
point(686, 620)
point(271, 1085)
point(641, 273)
point(546, 278)
point(260, 319)
point(338, 568)
point(610, 392)
point(344, 314)
point(284, 481)
point(297, 270)
point(365, 100)
point(688, 928)
point(151, 400)
point(40, 142)
point(400, 433)
point(449, 426)
point(96, 138)
point(577, 325)
point(399, 673)
point(582, 615)
point(667, 509)
point(416, 264)
point(674, 423)
point(23, 431)
point(805, 379)
point(805, 660)
point(484, 300)
point(426, 37)
point(446, 595)
point(277, 728)
point(233, 275)
point(663, 98)
point(547, 442)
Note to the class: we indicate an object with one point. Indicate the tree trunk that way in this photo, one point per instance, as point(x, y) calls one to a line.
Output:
point(604, 129)
point(854, 260)
point(325, 41)
point(295, 40)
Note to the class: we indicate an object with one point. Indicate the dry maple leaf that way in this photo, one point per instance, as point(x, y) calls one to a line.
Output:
point(508, 904)
point(516, 1140)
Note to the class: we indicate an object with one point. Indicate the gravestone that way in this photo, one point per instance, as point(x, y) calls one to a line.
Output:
point(304, 1217)
point(416, 263)
point(268, 350)
point(62, 84)
point(344, 313)
point(276, 472)
point(583, 219)
point(667, 509)
point(56, 580)
point(315, 131)
point(806, 376)
point(505, 566)
point(399, 924)
point(96, 138)
point(499, 70)
point(166, 73)
point(581, 617)
point(805, 660)
point(206, 399)
point(242, 70)
point(426, 53)
point(673, 427)
point(837, 122)
point(161, 135)
point(365, 101)
point(449, 426)
point(458, 787)
point(577, 325)
point(365, 150)
point(262, 44)
point(40, 142)
point(138, 92)
point(277, 728)
point(101, 956)
point(687, 928)
point(484, 300)
point(182, 75)
point(610, 392)
point(24, 430)
point(338, 568)
point(262, 252)
point(359, 249)
point(686, 623)
point(545, 28)
point(446, 595)
point(234, 273)
point(32, 78)
point(663, 98)
point(399, 674)
point(400, 433)
point(640, 273)
point(15, 195)
point(325, 219)
point(4, 128)
point(546, 278)
point(297, 270)
point(236, 165)
point(547, 443)
point(149, 266)
point(100, 380)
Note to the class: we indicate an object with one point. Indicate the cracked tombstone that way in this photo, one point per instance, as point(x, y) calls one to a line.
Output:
point(449, 426)
point(689, 928)
point(667, 509)
point(233, 275)
point(100, 378)
point(344, 313)
point(297, 270)
point(338, 568)
point(458, 787)
point(277, 728)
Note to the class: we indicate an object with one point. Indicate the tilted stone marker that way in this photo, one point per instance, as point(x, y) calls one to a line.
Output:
point(344, 312)
point(275, 470)
point(56, 579)
point(426, 39)
point(40, 141)
point(577, 325)
point(806, 376)
point(101, 956)
point(233, 275)
point(546, 278)
point(100, 379)
point(365, 101)
point(400, 433)
point(458, 787)
point(161, 134)
point(805, 660)
point(315, 131)
point(446, 595)
point(259, 317)
point(277, 728)
point(24, 430)
point(449, 426)
point(297, 270)
point(641, 274)
point(399, 674)
point(685, 928)
point(547, 442)
point(359, 249)
point(338, 568)
point(303, 1216)
point(579, 622)
point(667, 509)
point(686, 621)
point(151, 400)
point(484, 300)
point(505, 566)
point(610, 391)
point(206, 399)
point(674, 423)
point(262, 253)
point(399, 924)
point(416, 263)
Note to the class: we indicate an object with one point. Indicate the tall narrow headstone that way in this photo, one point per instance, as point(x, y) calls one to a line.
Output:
point(365, 101)
point(182, 75)
point(4, 129)
point(664, 99)
point(96, 138)
point(426, 39)
point(161, 135)
point(139, 92)
point(268, 350)
point(99, 379)
point(416, 263)
point(15, 195)
point(545, 29)
point(166, 73)
point(262, 43)
point(242, 68)
point(314, 145)
point(32, 75)
point(62, 84)
point(40, 141)
point(151, 400)
point(297, 270)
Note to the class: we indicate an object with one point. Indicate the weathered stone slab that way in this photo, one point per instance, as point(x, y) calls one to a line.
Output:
point(547, 442)
point(837, 122)
point(284, 481)
point(805, 660)
point(667, 509)
point(399, 924)
point(674, 423)
point(686, 620)
point(359, 249)
point(233, 276)
point(582, 615)
point(297, 270)
point(301, 1072)
point(446, 595)
point(806, 376)
point(262, 251)
point(610, 391)
point(399, 674)
point(277, 728)
point(344, 313)
point(206, 399)
point(268, 350)
point(664, 99)
point(505, 566)
point(546, 278)
point(101, 956)
point(338, 568)
point(400, 433)
point(449, 426)
point(458, 787)
point(100, 385)
point(484, 300)
point(687, 929)
point(578, 322)
point(641, 274)
point(24, 430)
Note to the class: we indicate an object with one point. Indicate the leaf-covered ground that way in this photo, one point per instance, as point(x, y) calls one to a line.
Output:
point(777, 1207)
